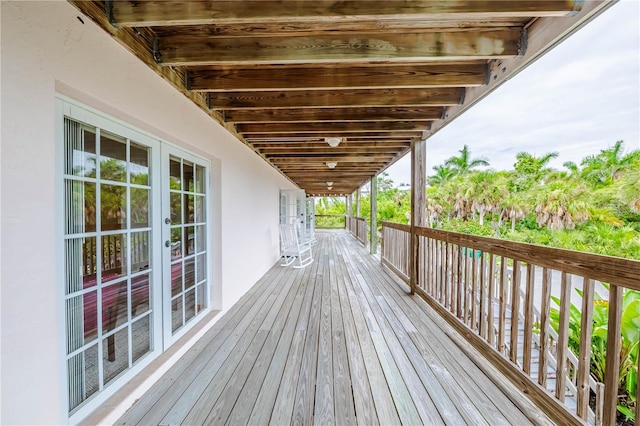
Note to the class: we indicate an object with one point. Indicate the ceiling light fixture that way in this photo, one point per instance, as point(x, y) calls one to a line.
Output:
point(332, 164)
point(329, 187)
point(333, 142)
point(329, 183)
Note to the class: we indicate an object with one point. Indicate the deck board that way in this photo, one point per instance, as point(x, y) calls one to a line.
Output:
point(338, 342)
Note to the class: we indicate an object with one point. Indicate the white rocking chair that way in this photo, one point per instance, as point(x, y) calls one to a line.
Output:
point(293, 249)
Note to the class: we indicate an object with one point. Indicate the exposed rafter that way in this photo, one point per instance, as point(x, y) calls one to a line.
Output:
point(283, 75)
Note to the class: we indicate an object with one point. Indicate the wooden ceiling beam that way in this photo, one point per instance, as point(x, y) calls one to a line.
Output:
point(331, 151)
point(307, 28)
point(451, 45)
point(303, 115)
point(360, 158)
point(338, 98)
point(180, 12)
point(338, 126)
point(345, 144)
point(311, 137)
point(217, 79)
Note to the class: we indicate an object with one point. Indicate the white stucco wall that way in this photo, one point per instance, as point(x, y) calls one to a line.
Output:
point(47, 50)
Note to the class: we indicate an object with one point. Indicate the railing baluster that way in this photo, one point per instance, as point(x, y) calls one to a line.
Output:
point(544, 325)
point(482, 293)
point(515, 311)
point(492, 280)
point(528, 319)
point(449, 271)
point(563, 336)
point(467, 287)
point(460, 293)
point(502, 309)
point(613, 356)
point(474, 289)
point(584, 356)
point(599, 411)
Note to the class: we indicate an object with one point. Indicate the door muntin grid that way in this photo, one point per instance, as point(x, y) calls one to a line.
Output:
point(187, 241)
point(108, 263)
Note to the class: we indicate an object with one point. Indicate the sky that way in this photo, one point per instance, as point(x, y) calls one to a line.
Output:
point(579, 98)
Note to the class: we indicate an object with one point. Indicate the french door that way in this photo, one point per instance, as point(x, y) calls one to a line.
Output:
point(184, 232)
point(135, 251)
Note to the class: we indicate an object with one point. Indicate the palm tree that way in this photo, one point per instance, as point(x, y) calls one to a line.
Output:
point(464, 163)
point(561, 205)
point(443, 174)
point(487, 188)
point(603, 169)
point(530, 169)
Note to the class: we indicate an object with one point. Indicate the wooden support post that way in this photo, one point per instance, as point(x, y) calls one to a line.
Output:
point(418, 203)
point(373, 245)
point(358, 207)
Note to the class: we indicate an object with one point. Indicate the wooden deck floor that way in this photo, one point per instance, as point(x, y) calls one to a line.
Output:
point(338, 342)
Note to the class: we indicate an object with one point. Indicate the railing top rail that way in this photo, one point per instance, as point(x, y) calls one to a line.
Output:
point(330, 215)
point(613, 270)
point(399, 226)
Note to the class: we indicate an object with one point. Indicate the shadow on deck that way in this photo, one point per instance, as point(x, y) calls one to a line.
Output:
point(338, 342)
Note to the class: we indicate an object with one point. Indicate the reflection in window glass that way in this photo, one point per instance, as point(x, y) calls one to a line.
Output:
point(140, 255)
point(200, 212)
point(113, 209)
point(139, 207)
point(104, 303)
point(140, 295)
point(175, 199)
point(188, 220)
point(141, 331)
point(176, 313)
point(175, 174)
point(188, 178)
point(200, 179)
point(114, 257)
point(114, 306)
point(113, 158)
point(189, 305)
point(139, 165)
point(189, 273)
point(115, 354)
point(176, 278)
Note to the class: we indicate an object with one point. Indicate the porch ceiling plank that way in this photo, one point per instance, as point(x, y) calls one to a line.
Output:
point(311, 28)
point(338, 98)
point(293, 72)
point(336, 126)
point(303, 115)
point(364, 157)
point(380, 150)
point(311, 137)
point(173, 12)
point(322, 145)
point(450, 45)
point(216, 79)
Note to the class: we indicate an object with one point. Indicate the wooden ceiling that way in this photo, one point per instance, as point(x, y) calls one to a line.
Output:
point(378, 74)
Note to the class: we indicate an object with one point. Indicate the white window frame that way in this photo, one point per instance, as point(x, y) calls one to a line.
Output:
point(69, 107)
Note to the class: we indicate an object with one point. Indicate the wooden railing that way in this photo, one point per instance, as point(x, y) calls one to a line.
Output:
point(331, 221)
point(497, 294)
point(357, 226)
point(394, 248)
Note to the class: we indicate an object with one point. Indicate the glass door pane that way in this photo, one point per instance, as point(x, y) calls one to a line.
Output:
point(108, 262)
point(186, 246)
